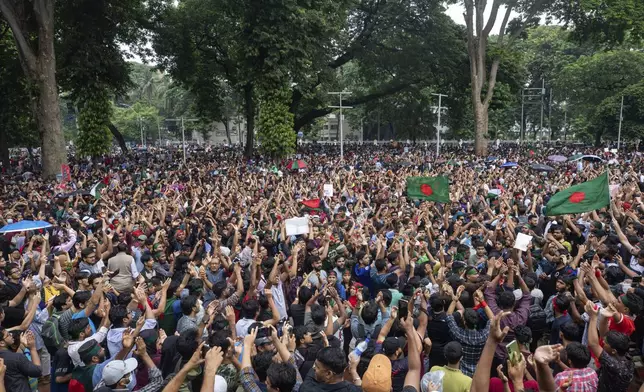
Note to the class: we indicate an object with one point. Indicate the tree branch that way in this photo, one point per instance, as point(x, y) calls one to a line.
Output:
point(493, 14)
point(319, 112)
point(29, 59)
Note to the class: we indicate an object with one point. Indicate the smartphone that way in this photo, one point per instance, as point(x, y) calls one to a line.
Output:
point(513, 347)
point(636, 281)
point(403, 309)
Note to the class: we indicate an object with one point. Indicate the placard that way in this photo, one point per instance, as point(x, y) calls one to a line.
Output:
point(297, 226)
point(328, 190)
point(522, 242)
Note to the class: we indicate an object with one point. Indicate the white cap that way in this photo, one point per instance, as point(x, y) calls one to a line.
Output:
point(116, 370)
point(220, 384)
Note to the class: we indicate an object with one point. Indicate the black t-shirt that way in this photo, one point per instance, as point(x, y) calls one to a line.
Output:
point(297, 312)
point(62, 364)
point(438, 329)
point(13, 316)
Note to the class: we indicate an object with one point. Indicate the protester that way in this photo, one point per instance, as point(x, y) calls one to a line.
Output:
point(157, 275)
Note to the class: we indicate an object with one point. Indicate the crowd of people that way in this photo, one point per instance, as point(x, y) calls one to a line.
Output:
point(155, 275)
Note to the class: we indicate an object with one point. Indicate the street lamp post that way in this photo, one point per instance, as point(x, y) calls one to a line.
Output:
point(341, 120)
point(439, 109)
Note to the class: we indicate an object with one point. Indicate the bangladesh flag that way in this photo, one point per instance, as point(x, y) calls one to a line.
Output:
point(588, 196)
point(313, 204)
point(428, 188)
point(96, 189)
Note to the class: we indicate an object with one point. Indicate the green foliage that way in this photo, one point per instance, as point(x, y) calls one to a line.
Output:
point(140, 116)
point(94, 138)
point(607, 114)
point(608, 22)
point(18, 127)
point(275, 133)
point(594, 81)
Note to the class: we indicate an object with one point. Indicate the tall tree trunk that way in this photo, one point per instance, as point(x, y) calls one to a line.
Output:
point(227, 128)
point(54, 153)
point(118, 136)
point(598, 138)
point(4, 152)
point(480, 123)
point(39, 64)
point(249, 111)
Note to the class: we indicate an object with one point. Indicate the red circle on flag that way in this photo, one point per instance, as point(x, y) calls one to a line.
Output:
point(577, 197)
point(426, 190)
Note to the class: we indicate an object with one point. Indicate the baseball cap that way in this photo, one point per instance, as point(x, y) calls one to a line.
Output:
point(377, 378)
point(89, 220)
point(142, 237)
point(391, 344)
point(116, 370)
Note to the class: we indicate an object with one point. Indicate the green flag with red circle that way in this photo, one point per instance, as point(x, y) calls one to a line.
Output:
point(588, 196)
point(428, 188)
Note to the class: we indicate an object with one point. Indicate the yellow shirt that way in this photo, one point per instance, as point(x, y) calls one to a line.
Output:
point(50, 292)
point(454, 380)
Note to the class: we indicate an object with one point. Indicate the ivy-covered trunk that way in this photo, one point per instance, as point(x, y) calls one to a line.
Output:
point(94, 138)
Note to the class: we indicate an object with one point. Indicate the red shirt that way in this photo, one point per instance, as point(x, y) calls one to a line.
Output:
point(625, 325)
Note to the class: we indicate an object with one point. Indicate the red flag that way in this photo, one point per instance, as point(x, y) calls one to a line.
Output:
point(313, 203)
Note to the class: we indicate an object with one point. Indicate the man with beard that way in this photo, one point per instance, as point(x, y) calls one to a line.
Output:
point(90, 372)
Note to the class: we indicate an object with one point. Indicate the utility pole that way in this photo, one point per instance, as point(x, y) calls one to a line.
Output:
point(341, 120)
point(159, 129)
point(378, 124)
point(439, 109)
point(141, 128)
point(549, 114)
point(183, 133)
point(521, 133)
point(543, 93)
point(621, 117)
point(529, 95)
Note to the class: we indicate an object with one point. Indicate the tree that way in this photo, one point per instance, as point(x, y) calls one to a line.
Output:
point(610, 22)
point(589, 81)
point(275, 126)
point(608, 112)
point(16, 119)
point(392, 46)
point(90, 60)
point(136, 120)
point(483, 78)
point(94, 138)
point(32, 25)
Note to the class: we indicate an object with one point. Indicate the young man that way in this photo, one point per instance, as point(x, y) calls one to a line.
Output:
point(583, 377)
point(454, 379)
point(616, 370)
point(19, 368)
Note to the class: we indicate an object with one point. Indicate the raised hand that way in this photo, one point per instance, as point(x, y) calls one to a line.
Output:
point(214, 358)
point(546, 354)
point(128, 338)
point(496, 333)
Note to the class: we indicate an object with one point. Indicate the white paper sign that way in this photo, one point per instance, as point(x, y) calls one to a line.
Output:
point(522, 241)
point(297, 226)
point(328, 190)
point(612, 189)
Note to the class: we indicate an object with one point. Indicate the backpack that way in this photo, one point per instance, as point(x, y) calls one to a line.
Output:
point(537, 320)
point(51, 332)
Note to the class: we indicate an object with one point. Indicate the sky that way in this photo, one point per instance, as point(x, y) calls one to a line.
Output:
point(456, 11)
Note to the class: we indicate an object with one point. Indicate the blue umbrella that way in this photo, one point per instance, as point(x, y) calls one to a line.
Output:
point(510, 164)
point(24, 225)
